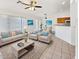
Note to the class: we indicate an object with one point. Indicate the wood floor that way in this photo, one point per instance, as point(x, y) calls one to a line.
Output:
point(58, 49)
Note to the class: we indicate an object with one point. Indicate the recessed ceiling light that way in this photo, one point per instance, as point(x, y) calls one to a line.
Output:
point(71, 1)
point(63, 2)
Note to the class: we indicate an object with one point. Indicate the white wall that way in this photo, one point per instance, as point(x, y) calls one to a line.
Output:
point(74, 20)
point(64, 33)
point(73, 14)
point(74, 24)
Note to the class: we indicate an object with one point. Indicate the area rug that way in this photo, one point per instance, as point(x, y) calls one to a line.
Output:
point(36, 53)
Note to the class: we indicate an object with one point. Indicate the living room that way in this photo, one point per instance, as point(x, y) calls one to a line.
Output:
point(37, 29)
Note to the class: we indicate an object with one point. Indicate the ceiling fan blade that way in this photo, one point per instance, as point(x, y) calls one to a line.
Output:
point(18, 2)
point(38, 6)
point(27, 7)
point(23, 3)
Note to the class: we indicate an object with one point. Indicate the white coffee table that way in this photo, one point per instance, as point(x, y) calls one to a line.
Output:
point(19, 51)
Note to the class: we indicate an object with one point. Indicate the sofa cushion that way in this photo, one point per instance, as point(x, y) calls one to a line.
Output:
point(1, 41)
point(13, 33)
point(6, 39)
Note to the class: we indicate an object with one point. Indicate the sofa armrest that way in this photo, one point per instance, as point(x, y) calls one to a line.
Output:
point(49, 36)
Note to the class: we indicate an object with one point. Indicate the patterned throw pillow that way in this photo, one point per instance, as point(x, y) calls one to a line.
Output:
point(13, 33)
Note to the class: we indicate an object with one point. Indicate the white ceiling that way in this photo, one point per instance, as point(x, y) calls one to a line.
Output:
point(48, 6)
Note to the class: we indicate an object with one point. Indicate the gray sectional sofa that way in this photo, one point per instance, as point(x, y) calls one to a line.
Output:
point(7, 38)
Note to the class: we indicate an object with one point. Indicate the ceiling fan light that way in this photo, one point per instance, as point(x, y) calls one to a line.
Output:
point(32, 8)
point(63, 2)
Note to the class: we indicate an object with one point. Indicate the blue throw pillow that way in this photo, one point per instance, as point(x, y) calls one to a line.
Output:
point(44, 33)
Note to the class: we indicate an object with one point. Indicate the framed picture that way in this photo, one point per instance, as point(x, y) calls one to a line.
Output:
point(67, 22)
point(30, 22)
point(64, 21)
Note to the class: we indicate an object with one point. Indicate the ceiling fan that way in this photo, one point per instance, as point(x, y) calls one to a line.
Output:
point(32, 5)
